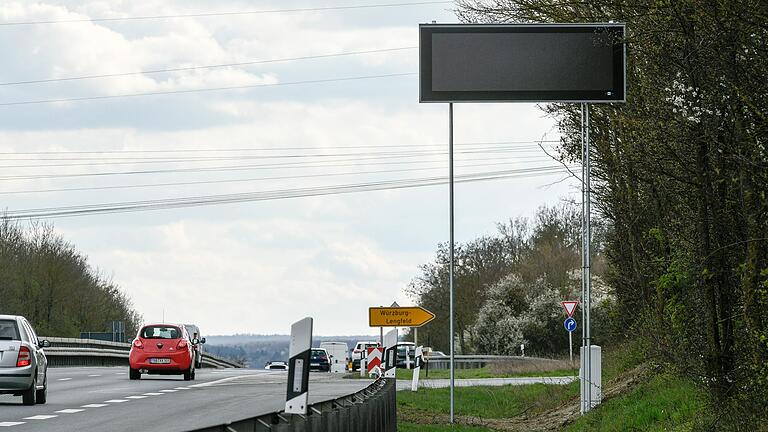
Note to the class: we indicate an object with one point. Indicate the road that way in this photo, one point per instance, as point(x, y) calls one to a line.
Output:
point(104, 399)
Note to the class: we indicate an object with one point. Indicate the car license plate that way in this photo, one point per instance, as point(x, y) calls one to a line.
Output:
point(159, 360)
point(314, 364)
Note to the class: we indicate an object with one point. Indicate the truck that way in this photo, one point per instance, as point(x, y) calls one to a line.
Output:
point(338, 353)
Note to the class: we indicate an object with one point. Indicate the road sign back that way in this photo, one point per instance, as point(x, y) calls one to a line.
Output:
point(570, 306)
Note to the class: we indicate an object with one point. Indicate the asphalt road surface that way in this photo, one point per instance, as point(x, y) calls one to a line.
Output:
point(104, 399)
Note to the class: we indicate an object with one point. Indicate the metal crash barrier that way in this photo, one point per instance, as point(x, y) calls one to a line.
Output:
point(91, 352)
point(372, 409)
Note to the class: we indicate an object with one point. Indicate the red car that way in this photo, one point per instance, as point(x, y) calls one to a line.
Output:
point(162, 349)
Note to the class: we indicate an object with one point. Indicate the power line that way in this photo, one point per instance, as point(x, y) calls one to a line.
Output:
point(210, 89)
point(150, 160)
point(245, 180)
point(250, 149)
point(294, 165)
point(207, 200)
point(221, 65)
point(213, 14)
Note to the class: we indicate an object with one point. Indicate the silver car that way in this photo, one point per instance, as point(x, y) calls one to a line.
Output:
point(23, 365)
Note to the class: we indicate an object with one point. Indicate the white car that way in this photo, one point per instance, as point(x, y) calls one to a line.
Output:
point(276, 365)
point(23, 365)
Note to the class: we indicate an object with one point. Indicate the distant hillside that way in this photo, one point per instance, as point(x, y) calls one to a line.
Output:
point(46, 279)
point(256, 350)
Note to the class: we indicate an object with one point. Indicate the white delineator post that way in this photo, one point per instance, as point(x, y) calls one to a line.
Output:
point(390, 353)
point(419, 358)
point(298, 367)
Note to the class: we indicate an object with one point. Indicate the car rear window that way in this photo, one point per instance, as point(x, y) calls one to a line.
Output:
point(319, 354)
point(9, 330)
point(161, 332)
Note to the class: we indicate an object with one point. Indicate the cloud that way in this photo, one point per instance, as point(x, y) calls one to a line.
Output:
point(252, 267)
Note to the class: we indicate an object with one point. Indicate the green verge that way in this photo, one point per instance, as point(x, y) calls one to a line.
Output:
point(664, 403)
point(488, 402)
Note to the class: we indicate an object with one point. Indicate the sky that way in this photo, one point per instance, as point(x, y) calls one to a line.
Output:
point(344, 119)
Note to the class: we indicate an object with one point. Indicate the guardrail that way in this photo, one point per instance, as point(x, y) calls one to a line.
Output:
point(372, 409)
point(91, 352)
point(479, 361)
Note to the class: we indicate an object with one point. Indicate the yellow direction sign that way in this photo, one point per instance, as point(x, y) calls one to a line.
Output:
point(399, 316)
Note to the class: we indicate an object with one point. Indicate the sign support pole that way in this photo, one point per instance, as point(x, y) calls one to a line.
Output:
point(450, 266)
point(570, 345)
point(586, 230)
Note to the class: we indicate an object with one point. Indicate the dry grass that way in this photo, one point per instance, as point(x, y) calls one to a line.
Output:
point(530, 366)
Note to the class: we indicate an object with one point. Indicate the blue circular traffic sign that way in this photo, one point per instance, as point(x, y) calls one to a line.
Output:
point(570, 324)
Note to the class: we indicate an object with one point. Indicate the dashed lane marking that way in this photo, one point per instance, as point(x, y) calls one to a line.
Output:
point(152, 394)
point(40, 417)
point(8, 424)
point(120, 373)
point(93, 406)
point(70, 411)
point(168, 391)
point(94, 375)
point(182, 388)
point(116, 401)
point(135, 397)
point(64, 379)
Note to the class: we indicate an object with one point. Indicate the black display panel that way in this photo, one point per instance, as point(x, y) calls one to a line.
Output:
point(522, 63)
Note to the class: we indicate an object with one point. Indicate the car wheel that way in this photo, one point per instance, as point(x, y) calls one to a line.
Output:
point(134, 374)
point(42, 394)
point(188, 374)
point(193, 374)
point(29, 397)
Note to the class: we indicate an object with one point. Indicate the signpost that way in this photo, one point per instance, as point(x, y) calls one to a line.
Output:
point(415, 316)
point(570, 323)
point(579, 63)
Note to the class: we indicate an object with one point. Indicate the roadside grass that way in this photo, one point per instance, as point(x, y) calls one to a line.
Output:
point(487, 402)
point(415, 427)
point(659, 403)
point(664, 403)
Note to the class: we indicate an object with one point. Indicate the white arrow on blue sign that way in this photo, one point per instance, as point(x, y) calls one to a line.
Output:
point(570, 324)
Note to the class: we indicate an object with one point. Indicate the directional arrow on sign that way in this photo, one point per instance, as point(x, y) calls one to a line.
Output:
point(569, 306)
point(399, 316)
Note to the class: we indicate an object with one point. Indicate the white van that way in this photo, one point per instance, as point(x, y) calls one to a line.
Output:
point(338, 353)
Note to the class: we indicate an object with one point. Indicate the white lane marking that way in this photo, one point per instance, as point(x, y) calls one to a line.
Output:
point(116, 401)
point(7, 424)
point(64, 379)
point(182, 388)
point(40, 417)
point(94, 375)
point(152, 394)
point(135, 397)
point(120, 373)
point(218, 382)
point(70, 411)
point(168, 391)
point(93, 406)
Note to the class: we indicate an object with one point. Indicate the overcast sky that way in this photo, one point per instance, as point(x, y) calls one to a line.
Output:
point(256, 266)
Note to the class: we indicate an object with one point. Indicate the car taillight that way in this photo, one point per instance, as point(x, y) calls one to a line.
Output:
point(138, 344)
point(24, 358)
point(182, 344)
